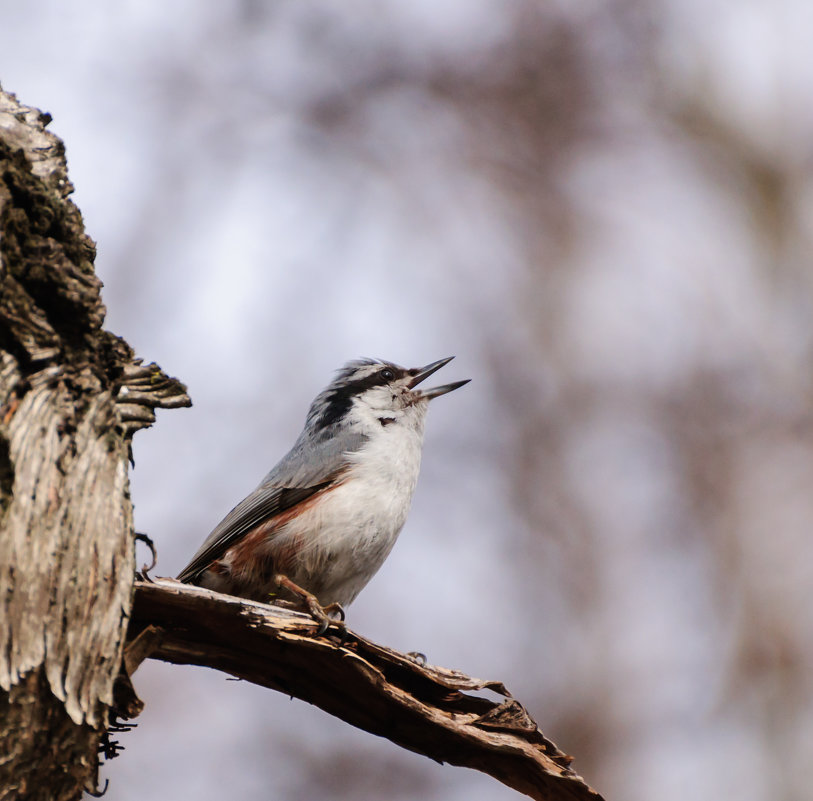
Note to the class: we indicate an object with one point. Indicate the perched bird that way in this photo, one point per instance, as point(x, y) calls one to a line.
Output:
point(323, 521)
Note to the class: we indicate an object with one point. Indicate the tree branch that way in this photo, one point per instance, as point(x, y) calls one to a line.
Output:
point(427, 709)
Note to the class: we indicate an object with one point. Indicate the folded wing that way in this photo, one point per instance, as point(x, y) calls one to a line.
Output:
point(308, 468)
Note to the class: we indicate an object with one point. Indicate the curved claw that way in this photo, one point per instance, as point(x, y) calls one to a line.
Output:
point(319, 613)
point(322, 619)
point(337, 609)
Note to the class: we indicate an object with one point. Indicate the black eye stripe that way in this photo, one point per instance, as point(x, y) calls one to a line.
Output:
point(376, 379)
point(340, 399)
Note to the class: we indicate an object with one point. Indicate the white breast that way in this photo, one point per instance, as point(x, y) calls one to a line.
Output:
point(349, 534)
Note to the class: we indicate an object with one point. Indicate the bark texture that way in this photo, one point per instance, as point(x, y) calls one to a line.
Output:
point(71, 395)
point(427, 709)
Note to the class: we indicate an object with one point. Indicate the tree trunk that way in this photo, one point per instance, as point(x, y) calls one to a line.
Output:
point(71, 396)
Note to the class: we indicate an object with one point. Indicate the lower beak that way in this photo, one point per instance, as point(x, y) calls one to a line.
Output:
point(424, 373)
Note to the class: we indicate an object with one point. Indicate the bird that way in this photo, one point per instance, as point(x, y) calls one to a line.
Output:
point(323, 520)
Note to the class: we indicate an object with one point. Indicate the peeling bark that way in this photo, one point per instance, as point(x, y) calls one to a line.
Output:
point(71, 397)
point(70, 401)
point(425, 708)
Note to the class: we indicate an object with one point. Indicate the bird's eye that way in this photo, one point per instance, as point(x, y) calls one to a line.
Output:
point(387, 374)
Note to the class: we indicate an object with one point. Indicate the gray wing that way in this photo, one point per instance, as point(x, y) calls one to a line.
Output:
point(308, 467)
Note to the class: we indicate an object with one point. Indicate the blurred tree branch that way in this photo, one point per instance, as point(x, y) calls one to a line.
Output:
point(420, 707)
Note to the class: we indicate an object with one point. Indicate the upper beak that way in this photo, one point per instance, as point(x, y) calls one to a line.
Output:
point(424, 373)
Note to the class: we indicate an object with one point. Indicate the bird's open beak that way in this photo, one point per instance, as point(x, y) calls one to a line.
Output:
point(424, 373)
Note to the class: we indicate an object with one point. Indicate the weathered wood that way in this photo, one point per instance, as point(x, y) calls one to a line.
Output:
point(71, 395)
point(427, 709)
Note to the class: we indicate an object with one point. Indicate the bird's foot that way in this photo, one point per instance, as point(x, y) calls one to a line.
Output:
point(335, 609)
point(321, 614)
point(338, 611)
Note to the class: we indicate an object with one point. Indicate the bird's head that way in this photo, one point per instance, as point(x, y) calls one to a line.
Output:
point(372, 393)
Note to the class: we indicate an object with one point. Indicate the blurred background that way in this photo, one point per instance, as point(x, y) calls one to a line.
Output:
point(605, 211)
